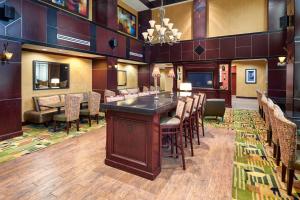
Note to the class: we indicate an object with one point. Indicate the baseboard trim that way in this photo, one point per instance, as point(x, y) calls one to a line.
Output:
point(246, 97)
point(10, 135)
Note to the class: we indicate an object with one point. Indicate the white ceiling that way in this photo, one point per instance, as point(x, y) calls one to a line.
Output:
point(136, 5)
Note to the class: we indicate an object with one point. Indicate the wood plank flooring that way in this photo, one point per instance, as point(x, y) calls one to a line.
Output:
point(74, 169)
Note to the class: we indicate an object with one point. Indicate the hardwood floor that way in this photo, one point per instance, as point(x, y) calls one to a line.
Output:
point(75, 169)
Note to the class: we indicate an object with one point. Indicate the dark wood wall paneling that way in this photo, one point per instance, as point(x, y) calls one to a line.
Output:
point(10, 93)
point(105, 13)
point(144, 17)
point(246, 46)
point(143, 76)
point(276, 79)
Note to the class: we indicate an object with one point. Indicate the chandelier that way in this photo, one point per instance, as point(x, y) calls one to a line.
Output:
point(161, 33)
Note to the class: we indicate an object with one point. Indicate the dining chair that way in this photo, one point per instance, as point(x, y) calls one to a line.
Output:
point(195, 117)
point(93, 107)
point(259, 96)
point(173, 127)
point(290, 157)
point(264, 102)
point(188, 122)
point(72, 110)
point(202, 111)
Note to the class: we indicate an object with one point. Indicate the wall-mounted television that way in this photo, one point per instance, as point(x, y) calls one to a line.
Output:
point(50, 75)
point(127, 22)
point(201, 79)
point(79, 7)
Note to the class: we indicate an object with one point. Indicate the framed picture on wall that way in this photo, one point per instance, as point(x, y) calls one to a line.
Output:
point(126, 22)
point(250, 76)
point(79, 7)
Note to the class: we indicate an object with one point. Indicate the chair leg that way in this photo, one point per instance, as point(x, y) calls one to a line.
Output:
point(90, 121)
point(278, 154)
point(176, 144)
point(54, 126)
point(181, 149)
point(202, 124)
point(197, 127)
point(274, 151)
point(290, 181)
point(191, 138)
point(77, 124)
point(283, 173)
point(171, 138)
point(185, 135)
point(270, 137)
point(97, 118)
point(68, 127)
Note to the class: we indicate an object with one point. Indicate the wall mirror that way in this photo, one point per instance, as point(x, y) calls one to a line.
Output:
point(50, 75)
point(122, 78)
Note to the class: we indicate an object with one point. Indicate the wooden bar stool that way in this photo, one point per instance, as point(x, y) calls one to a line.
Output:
point(195, 116)
point(188, 122)
point(173, 127)
point(202, 110)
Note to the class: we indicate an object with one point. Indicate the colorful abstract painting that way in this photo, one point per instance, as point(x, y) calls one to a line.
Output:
point(76, 6)
point(127, 22)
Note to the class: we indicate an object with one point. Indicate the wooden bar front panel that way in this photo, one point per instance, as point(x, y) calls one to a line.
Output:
point(133, 143)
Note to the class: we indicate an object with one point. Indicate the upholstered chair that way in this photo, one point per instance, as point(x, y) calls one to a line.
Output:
point(93, 107)
point(72, 110)
point(202, 110)
point(145, 89)
point(188, 122)
point(271, 108)
point(290, 157)
point(276, 132)
point(259, 96)
point(264, 102)
point(172, 127)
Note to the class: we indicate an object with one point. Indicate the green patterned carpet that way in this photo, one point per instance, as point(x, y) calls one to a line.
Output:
point(255, 175)
point(37, 137)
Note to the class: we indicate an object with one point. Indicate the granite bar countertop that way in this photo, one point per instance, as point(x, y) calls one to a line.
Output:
point(146, 105)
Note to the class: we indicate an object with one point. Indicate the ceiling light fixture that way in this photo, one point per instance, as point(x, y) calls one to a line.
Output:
point(162, 33)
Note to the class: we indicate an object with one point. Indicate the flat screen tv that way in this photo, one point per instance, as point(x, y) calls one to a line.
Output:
point(127, 22)
point(50, 75)
point(201, 79)
point(79, 7)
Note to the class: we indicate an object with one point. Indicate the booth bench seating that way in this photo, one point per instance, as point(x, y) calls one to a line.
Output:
point(41, 114)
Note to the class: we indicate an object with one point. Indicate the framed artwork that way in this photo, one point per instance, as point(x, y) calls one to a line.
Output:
point(126, 22)
point(79, 7)
point(122, 78)
point(250, 76)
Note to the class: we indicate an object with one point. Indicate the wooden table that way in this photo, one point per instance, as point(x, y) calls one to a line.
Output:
point(133, 141)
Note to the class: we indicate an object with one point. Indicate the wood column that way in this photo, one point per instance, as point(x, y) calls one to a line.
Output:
point(10, 93)
point(199, 18)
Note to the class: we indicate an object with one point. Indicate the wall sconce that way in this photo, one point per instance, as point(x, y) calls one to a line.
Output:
point(116, 66)
point(281, 62)
point(6, 55)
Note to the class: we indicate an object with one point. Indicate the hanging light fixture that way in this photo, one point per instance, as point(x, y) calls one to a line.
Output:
point(161, 33)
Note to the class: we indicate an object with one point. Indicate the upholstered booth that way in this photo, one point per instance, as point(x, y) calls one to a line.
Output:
point(215, 108)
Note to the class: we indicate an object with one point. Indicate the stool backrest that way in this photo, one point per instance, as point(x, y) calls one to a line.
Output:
point(189, 105)
point(180, 110)
point(264, 102)
point(197, 101)
point(202, 103)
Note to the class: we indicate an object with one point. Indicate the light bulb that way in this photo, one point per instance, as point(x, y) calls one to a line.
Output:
point(157, 27)
point(152, 23)
point(170, 26)
point(162, 30)
point(281, 59)
point(145, 35)
point(166, 21)
point(150, 31)
point(174, 31)
point(178, 35)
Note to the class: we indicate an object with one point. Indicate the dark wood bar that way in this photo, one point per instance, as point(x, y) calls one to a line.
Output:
point(133, 138)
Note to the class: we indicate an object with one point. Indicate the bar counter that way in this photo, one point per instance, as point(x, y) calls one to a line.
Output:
point(133, 140)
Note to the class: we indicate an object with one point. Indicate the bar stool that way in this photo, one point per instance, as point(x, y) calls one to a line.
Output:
point(173, 127)
point(259, 96)
point(188, 122)
point(195, 116)
point(202, 110)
